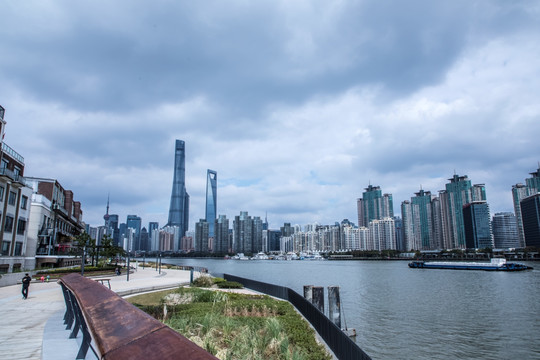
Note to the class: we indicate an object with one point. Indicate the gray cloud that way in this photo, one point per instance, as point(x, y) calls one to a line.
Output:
point(297, 105)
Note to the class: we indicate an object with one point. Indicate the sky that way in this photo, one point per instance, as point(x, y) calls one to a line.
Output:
point(298, 105)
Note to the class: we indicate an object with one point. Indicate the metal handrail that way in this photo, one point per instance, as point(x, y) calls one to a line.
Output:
point(116, 330)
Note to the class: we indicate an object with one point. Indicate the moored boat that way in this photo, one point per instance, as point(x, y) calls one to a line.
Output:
point(496, 264)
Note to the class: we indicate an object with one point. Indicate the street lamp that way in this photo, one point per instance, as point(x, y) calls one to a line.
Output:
point(83, 256)
point(128, 264)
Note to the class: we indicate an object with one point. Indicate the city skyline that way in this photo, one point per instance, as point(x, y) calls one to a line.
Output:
point(297, 115)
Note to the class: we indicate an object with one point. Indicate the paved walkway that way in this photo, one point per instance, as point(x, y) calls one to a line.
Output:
point(22, 322)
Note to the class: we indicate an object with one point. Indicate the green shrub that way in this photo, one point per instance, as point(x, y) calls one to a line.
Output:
point(203, 281)
point(230, 285)
point(218, 280)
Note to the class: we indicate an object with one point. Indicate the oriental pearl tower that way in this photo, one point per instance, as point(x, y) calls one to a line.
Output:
point(106, 216)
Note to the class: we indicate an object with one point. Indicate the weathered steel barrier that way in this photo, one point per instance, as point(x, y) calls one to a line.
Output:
point(116, 330)
point(341, 345)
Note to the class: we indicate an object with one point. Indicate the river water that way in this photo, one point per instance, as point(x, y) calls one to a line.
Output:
point(402, 313)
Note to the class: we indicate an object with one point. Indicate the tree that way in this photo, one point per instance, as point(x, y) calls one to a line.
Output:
point(109, 249)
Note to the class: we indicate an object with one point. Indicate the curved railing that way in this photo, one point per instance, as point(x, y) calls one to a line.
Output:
point(115, 330)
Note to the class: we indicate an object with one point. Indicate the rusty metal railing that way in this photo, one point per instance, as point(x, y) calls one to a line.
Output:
point(116, 330)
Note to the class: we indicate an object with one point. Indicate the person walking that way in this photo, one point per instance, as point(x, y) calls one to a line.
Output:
point(25, 285)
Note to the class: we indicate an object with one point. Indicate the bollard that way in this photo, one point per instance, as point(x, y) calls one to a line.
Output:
point(308, 293)
point(334, 305)
point(318, 298)
point(191, 276)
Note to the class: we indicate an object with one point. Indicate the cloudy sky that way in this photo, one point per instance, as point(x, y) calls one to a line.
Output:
point(298, 105)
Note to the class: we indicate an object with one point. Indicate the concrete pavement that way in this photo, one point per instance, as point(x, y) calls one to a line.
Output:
point(23, 322)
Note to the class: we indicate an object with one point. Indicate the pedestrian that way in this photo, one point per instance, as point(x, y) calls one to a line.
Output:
point(25, 285)
point(48, 277)
point(42, 278)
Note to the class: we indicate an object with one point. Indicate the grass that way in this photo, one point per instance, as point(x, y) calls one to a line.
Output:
point(235, 326)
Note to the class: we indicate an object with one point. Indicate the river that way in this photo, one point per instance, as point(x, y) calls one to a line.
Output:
point(402, 313)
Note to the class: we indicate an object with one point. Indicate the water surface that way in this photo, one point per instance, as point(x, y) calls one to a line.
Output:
point(402, 313)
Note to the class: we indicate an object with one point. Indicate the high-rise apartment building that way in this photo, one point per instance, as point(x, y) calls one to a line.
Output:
point(382, 234)
point(211, 200)
point(477, 225)
point(374, 205)
point(533, 183)
point(519, 192)
point(530, 210)
point(201, 236)
point(409, 240)
point(422, 219)
point(221, 235)
point(505, 232)
point(457, 194)
point(243, 233)
point(179, 209)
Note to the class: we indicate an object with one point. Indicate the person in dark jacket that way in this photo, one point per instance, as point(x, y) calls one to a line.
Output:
point(25, 285)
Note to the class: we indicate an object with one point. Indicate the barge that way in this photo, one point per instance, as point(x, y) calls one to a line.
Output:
point(496, 264)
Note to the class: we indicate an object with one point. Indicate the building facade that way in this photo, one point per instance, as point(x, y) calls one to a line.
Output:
point(505, 231)
point(477, 225)
point(55, 245)
point(179, 208)
point(530, 210)
point(211, 201)
point(15, 207)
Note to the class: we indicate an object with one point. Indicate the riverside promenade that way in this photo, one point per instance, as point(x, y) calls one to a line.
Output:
point(33, 328)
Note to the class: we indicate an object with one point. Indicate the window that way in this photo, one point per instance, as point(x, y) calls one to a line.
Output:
point(21, 227)
point(18, 248)
point(24, 202)
point(9, 224)
point(5, 248)
point(12, 198)
point(1, 193)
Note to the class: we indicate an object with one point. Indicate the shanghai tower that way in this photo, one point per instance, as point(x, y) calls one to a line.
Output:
point(179, 209)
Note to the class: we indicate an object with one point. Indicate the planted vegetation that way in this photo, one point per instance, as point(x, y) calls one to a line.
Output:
point(235, 326)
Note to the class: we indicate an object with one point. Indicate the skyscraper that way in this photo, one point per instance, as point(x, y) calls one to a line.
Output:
point(221, 236)
point(530, 210)
point(211, 200)
point(374, 206)
point(134, 222)
point(243, 233)
point(534, 181)
point(457, 194)
point(422, 219)
point(201, 236)
point(505, 233)
point(179, 209)
point(477, 225)
point(520, 192)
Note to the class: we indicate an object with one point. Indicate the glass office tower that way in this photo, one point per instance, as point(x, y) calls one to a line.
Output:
point(211, 200)
point(179, 209)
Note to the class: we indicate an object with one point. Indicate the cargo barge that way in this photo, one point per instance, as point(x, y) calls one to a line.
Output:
point(495, 265)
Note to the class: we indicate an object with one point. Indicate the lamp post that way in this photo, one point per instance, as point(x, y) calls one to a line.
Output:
point(82, 262)
point(127, 270)
point(160, 262)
